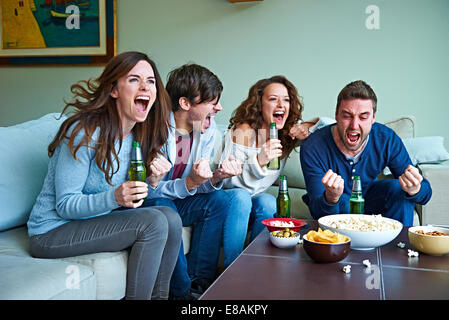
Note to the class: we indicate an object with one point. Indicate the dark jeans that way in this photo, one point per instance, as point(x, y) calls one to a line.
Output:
point(206, 211)
point(152, 233)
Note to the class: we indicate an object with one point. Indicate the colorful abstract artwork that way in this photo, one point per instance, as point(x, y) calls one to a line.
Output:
point(57, 31)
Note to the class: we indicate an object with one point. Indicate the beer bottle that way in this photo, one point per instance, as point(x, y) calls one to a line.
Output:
point(356, 202)
point(274, 163)
point(283, 199)
point(137, 171)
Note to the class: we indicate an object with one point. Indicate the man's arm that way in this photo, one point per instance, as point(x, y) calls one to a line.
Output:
point(315, 170)
point(416, 187)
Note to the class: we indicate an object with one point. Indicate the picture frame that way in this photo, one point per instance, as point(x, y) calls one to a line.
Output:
point(58, 32)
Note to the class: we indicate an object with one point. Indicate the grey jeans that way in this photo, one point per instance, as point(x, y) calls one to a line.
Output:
point(153, 234)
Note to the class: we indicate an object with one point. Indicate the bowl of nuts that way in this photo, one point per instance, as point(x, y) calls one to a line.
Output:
point(429, 240)
point(284, 238)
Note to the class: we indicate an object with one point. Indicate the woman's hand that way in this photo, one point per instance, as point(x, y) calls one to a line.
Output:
point(269, 150)
point(130, 191)
point(301, 131)
point(159, 167)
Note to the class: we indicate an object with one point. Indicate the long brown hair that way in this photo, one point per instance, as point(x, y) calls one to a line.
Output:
point(95, 108)
point(250, 111)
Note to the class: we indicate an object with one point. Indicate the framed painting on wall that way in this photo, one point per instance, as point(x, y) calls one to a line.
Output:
point(57, 32)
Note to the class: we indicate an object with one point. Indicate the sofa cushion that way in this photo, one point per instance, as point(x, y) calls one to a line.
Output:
point(426, 150)
point(403, 126)
point(293, 171)
point(26, 278)
point(23, 166)
point(110, 272)
point(14, 242)
point(109, 267)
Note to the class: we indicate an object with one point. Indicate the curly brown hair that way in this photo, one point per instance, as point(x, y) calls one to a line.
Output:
point(250, 111)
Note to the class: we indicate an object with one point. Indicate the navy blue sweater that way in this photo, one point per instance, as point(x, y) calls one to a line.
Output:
point(319, 153)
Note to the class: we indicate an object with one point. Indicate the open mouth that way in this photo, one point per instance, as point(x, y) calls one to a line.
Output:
point(278, 116)
point(207, 120)
point(353, 137)
point(142, 103)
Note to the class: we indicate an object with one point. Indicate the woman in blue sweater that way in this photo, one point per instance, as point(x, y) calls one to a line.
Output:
point(76, 211)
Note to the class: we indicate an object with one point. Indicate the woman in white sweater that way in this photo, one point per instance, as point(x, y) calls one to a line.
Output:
point(269, 100)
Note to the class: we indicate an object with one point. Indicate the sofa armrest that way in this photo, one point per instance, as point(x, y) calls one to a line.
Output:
point(436, 211)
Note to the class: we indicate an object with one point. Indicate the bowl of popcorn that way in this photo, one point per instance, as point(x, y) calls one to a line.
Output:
point(429, 240)
point(326, 246)
point(275, 224)
point(284, 238)
point(366, 231)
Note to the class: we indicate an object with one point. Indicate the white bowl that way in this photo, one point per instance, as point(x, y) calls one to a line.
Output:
point(282, 242)
point(363, 240)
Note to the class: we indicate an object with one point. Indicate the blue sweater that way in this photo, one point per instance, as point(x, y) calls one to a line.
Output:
point(77, 189)
point(319, 153)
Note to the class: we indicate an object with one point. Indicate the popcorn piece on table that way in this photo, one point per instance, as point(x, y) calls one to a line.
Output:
point(412, 253)
point(401, 245)
point(347, 269)
point(367, 263)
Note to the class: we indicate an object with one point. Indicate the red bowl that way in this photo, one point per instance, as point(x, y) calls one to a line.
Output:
point(297, 222)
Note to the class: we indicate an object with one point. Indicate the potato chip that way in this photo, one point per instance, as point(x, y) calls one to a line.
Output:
point(326, 236)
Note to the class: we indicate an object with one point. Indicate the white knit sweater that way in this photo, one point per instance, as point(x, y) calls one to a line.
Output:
point(256, 179)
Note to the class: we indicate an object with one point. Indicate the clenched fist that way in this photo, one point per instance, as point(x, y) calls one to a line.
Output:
point(228, 168)
point(410, 180)
point(300, 131)
point(130, 191)
point(334, 185)
point(159, 167)
point(199, 174)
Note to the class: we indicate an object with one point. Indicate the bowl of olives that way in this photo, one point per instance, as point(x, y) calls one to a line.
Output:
point(285, 238)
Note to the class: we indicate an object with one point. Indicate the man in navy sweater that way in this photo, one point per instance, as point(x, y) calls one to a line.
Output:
point(358, 146)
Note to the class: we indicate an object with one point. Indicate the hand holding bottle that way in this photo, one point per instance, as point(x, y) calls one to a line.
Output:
point(269, 150)
point(136, 172)
point(131, 191)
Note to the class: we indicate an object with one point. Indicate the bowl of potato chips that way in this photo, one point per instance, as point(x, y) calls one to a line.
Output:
point(284, 238)
point(366, 231)
point(326, 246)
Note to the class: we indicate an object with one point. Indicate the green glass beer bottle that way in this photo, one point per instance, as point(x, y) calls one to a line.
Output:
point(137, 171)
point(283, 199)
point(274, 164)
point(356, 202)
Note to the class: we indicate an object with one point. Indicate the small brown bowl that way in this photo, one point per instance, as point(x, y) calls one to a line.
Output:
point(326, 252)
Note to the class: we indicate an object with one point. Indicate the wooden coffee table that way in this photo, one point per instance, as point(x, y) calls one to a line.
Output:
point(264, 272)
